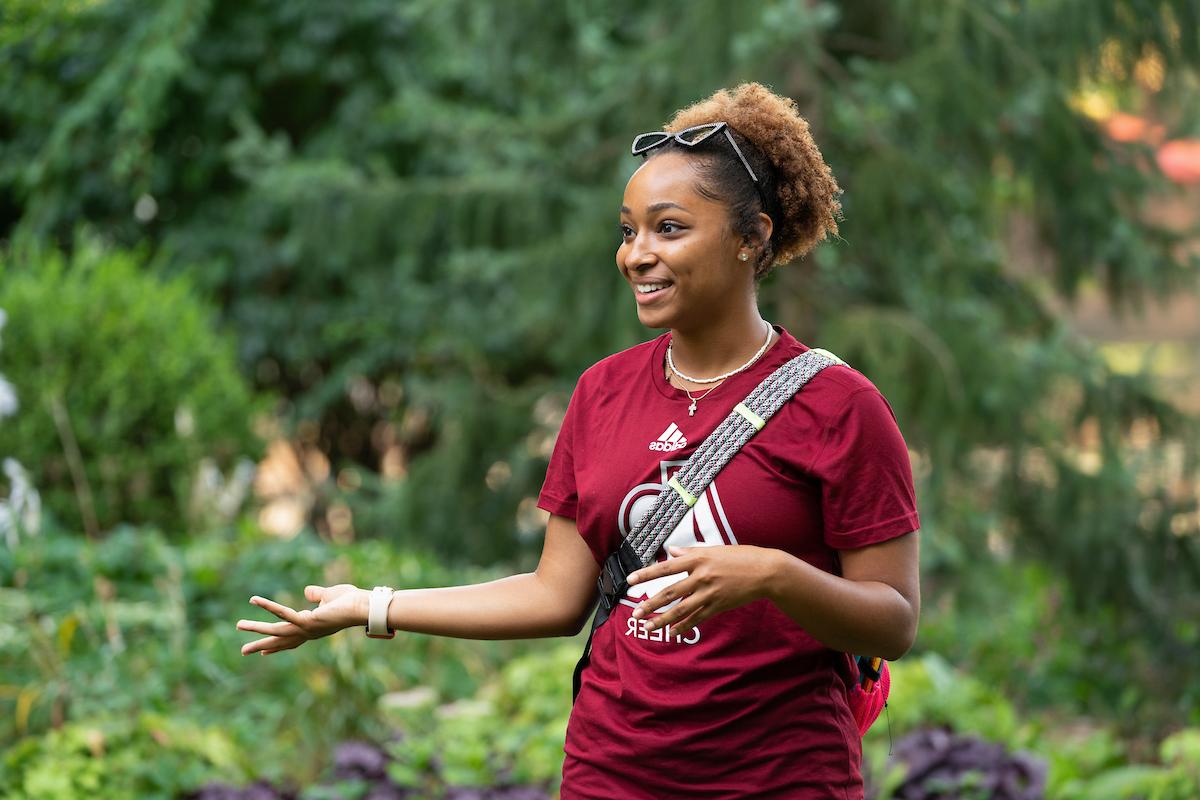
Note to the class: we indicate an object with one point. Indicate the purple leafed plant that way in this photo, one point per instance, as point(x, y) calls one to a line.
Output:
point(942, 764)
point(365, 765)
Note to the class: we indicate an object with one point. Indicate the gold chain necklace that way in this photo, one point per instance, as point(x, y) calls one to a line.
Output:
point(692, 407)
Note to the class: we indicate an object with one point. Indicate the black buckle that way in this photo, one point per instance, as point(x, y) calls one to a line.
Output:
point(613, 582)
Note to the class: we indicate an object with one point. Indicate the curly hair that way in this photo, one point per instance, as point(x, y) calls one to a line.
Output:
point(799, 188)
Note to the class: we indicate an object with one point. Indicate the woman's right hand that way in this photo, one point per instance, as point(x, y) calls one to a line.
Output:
point(341, 606)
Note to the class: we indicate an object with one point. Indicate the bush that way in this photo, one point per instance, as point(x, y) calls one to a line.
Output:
point(125, 387)
point(512, 730)
point(121, 672)
point(151, 756)
point(1017, 628)
point(1084, 760)
point(943, 764)
point(140, 622)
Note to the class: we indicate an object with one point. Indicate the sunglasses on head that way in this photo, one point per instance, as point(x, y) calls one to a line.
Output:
point(691, 137)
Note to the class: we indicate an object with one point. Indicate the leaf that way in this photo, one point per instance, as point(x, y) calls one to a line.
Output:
point(66, 633)
point(25, 701)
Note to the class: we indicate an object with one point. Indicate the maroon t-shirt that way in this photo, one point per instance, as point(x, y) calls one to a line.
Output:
point(749, 705)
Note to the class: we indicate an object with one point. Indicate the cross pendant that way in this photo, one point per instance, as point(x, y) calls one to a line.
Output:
point(692, 409)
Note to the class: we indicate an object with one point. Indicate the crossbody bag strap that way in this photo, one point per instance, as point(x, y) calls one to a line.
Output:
point(683, 490)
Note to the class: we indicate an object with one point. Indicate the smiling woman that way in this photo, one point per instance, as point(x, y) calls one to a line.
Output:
point(723, 666)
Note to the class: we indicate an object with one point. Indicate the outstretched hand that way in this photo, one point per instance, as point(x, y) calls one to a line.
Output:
point(719, 578)
point(341, 606)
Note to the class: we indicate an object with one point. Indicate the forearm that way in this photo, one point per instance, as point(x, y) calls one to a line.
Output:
point(863, 617)
point(516, 607)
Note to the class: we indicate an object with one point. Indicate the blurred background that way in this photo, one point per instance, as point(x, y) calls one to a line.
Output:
point(297, 293)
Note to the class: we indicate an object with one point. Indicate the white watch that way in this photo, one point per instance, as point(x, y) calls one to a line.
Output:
point(377, 622)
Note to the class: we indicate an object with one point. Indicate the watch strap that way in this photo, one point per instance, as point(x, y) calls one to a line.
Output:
point(377, 608)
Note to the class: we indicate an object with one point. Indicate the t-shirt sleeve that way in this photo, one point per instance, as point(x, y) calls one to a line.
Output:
point(559, 493)
point(867, 493)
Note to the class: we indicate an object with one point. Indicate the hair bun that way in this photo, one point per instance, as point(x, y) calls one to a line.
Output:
point(806, 189)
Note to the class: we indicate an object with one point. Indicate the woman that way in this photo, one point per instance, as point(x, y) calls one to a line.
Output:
point(723, 671)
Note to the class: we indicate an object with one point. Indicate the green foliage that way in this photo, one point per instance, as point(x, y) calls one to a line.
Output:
point(1016, 629)
point(1176, 778)
point(405, 211)
point(1085, 761)
point(511, 731)
point(124, 385)
point(149, 757)
point(928, 691)
point(121, 667)
point(137, 623)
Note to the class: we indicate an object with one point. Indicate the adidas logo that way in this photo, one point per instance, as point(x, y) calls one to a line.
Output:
point(671, 439)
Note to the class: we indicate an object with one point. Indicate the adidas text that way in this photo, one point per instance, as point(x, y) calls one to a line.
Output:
point(670, 439)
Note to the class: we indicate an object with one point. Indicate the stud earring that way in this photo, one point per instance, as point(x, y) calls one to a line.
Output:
point(743, 256)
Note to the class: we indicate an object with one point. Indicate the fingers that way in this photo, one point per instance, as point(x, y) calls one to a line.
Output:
point(681, 588)
point(668, 567)
point(269, 628)
point(279, 610)
point(286, 635)
point(273, 644)
point(270, 644)
point(683, 617)
point(291, 646)
point(690, 619)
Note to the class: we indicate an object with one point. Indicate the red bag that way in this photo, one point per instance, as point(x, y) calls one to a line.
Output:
point(869, 695)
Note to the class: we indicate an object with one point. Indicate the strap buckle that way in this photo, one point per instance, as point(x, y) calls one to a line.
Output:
point(613, 582)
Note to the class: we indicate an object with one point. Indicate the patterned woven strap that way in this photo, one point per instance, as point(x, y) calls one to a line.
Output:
point(745, 420)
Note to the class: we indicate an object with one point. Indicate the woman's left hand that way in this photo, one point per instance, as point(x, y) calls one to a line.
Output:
point(719, 578)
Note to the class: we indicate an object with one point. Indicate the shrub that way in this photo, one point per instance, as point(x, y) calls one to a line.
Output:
point(125, 386)
point(140, 621)
point(1084, 760)
point(944, 764)
point(151, 756)
point(512, 730)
